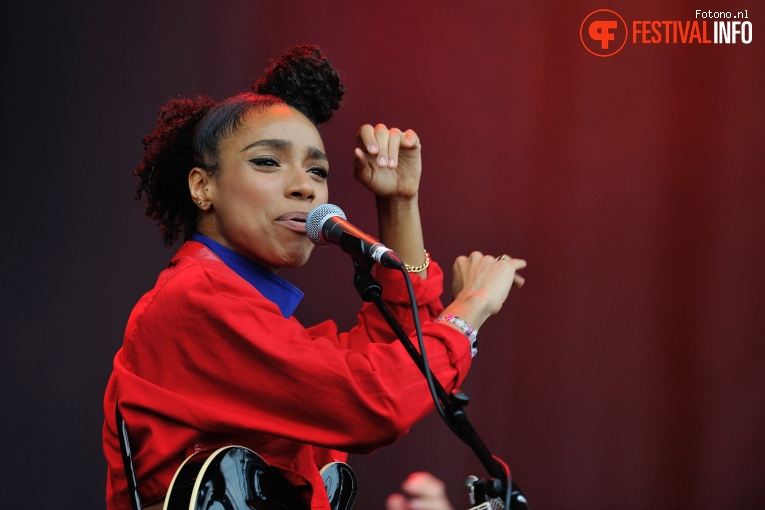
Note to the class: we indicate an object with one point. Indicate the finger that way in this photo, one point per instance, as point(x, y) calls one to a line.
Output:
point(360, 160)
point(411, 140)
point(395, 502)
point(425, 504)
point(460, 261)
point(476, 256)
point(423, 485)
point(365, 139)
point(457, 282)
point(382, 136)
point(395, 137)
point(462, 267)
point(517, 264)
point(361, 169)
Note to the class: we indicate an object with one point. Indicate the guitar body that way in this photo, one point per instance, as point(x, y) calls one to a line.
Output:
point(340, 484)
point(236, 478)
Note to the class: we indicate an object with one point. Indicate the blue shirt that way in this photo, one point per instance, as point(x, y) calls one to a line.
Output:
point(273, 287)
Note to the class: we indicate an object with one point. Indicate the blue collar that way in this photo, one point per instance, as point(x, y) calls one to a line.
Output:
point(273, 287)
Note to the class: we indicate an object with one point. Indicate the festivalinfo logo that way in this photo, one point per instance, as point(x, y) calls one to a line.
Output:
point(604, 32)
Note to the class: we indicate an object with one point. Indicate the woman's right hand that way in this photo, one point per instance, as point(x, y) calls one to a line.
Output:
point(481, 285)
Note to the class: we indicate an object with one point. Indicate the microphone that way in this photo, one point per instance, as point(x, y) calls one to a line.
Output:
point(327, 224)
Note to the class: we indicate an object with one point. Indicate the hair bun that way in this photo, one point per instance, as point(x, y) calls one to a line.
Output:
point(304, 79)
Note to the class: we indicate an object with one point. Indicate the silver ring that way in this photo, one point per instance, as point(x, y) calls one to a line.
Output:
point(504, 257)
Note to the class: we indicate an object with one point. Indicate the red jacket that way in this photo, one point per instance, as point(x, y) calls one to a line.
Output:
point(208, 361)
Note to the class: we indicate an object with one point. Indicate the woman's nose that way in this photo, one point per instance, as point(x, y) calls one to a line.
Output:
point(301, 185)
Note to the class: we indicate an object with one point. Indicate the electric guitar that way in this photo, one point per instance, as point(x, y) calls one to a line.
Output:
point(236, 478)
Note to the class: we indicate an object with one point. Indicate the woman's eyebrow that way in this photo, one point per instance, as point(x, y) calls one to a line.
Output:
point(275, 143)
point(314, 153)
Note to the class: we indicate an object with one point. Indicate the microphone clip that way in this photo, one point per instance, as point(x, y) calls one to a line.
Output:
point(365, 284)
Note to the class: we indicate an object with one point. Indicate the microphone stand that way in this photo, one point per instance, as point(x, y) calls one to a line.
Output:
point(500, 485)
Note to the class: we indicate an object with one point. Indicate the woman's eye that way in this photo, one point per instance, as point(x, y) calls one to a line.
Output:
point(320, 171)
point(265, 162)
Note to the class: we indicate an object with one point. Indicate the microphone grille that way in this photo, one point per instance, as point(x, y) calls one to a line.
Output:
point(316, 219)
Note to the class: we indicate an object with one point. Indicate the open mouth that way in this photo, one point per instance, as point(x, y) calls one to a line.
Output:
point(294, 220)
point(294, 216)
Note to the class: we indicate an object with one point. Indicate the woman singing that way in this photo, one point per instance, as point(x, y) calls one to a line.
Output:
point(212, 355)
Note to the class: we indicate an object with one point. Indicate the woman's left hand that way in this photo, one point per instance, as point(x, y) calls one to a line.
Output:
point(388, 161)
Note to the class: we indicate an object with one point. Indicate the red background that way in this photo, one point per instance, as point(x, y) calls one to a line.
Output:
point(628, 373)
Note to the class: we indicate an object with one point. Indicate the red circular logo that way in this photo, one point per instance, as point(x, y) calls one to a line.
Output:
point(603, 33)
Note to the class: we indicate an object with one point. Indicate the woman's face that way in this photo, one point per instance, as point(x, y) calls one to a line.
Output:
point(272, 172)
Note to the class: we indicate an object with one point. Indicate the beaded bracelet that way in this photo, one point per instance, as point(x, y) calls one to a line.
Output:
point(469, 332)
point(421, 267)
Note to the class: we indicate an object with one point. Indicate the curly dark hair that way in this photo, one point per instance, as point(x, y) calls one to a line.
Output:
point(189, 133)
point(167, 159)
point(306, 81)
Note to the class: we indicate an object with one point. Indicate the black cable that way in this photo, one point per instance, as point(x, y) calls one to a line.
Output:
point(424, 356)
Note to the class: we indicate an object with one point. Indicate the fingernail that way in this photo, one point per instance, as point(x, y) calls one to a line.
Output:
point(391, 163)
point(382, 160)
point(372, 148)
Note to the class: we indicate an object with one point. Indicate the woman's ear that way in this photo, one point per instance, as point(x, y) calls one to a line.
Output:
point(199, 185)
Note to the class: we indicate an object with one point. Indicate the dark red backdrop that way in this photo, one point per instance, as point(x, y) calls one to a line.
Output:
point(628, 373)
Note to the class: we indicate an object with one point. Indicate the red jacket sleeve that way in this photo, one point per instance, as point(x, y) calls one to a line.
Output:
point(230, 349)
